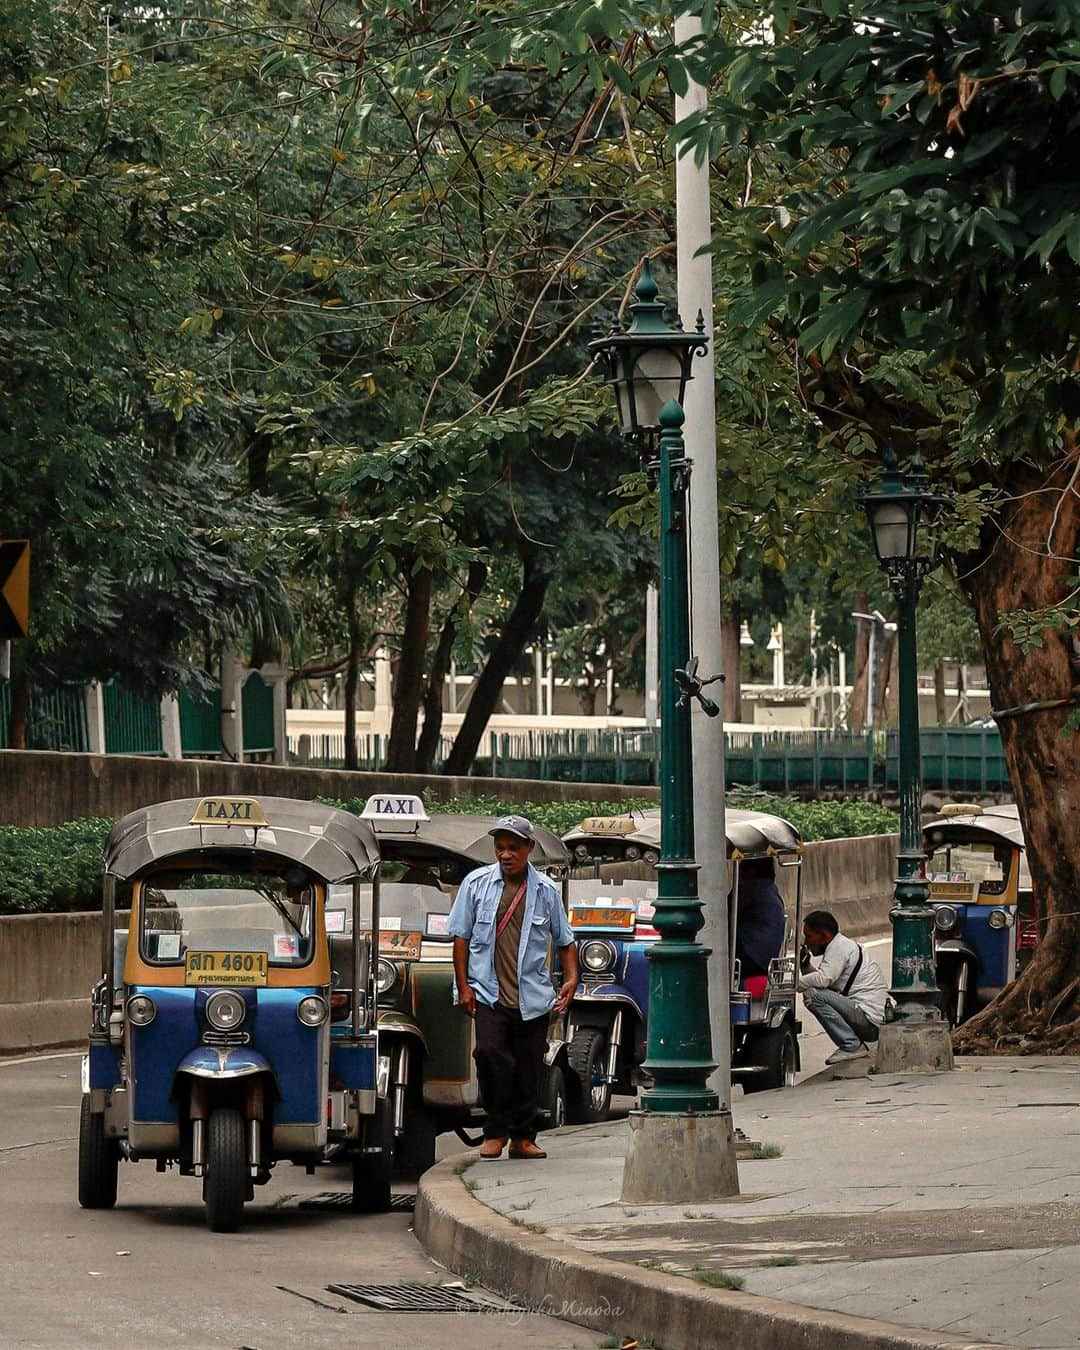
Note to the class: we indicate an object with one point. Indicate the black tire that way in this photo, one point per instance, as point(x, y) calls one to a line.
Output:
point(372, 1171)
point(414, 1152)
point(225, 1182)
point(99, 1160)
point(956, 991)
point(778, 1050)
point(589, 1093)
point(553, 1101)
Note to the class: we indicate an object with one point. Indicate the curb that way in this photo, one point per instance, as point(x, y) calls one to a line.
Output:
point(556, 1279)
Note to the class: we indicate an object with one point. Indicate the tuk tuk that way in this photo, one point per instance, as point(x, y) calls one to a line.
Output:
point(426, 1044)
point(210, 1046)
point(985, 920)
point(612, 917)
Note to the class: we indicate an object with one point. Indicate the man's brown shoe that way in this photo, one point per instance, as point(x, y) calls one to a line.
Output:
point(525, 1148)
point(492, 1148)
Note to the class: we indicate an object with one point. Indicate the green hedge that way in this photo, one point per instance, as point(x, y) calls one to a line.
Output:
point(58, 868)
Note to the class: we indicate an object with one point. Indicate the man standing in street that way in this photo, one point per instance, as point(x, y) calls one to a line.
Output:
point(502, 921)
point(847, 993)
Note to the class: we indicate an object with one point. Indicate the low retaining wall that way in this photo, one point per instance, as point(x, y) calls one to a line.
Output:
point(48, 962)
point(44, 787)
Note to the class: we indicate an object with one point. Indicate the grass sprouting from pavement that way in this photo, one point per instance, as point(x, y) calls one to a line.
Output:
point(764, 1151)
point(717, 1279)
point(463, 1165)
point(781, 1261)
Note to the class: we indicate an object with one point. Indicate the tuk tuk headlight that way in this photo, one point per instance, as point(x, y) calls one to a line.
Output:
point(140, 1010)
point(597, 955)
point(312, 1010)
point(581, 852)
point(225, 1011)
point(944, 918)
point(632, 852)
point(997, 918)
point(385, 976)
point(650, 856)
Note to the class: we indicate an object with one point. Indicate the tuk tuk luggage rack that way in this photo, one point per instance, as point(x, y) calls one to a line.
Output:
point(400, 1201)
point(422, 1298)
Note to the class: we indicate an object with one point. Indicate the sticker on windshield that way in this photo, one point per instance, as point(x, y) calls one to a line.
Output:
point(335, 921)
point(286, 945)
point(437, 925)
point(168, 947)
point(390, 923)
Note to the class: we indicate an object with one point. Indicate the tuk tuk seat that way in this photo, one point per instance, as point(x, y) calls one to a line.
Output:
point(756, 985)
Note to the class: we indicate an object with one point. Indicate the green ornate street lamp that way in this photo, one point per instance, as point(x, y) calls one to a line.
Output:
point(648, 364)
point(903, 513)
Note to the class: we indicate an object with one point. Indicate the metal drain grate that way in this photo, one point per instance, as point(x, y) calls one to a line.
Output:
point(400, 1201)
point(423, 1298)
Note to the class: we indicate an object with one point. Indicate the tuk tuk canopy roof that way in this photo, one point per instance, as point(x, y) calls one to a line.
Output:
point(463, 837)
point(990, 825)
point(333, 844)
point(753, 834)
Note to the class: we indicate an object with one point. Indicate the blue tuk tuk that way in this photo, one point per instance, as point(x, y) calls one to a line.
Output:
point(210, 1046)
point(985, 921)
point(611, 914)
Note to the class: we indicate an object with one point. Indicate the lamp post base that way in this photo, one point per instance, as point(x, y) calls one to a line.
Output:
point(915, 1047)
point(675, 1158)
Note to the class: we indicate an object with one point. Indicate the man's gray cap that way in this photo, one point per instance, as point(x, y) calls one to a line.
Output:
point(514, 825)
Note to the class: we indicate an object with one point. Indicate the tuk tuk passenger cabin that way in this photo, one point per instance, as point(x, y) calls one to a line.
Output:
point(210, 1042)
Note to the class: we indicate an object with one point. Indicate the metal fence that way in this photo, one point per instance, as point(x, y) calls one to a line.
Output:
point(55, 720)
point(962, 759)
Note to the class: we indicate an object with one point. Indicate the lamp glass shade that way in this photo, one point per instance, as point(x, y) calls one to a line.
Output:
point(656, 378)
point(745, 640)
point(892, 536)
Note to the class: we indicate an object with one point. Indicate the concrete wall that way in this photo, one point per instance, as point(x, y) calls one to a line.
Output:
point(48, 962)
point(40, 787)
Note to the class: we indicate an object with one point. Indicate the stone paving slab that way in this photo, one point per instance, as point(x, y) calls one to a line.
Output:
point(946, 1202)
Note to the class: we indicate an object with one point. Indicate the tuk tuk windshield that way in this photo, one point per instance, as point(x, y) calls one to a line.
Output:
point(258, 911)
point(412, 903)
point(984, 863)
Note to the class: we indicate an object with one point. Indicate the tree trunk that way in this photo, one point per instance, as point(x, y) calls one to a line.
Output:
point(431, 731)
point(857, 707)
point(518, 629)
point(887, 694)
point(352, 682)
point(409, 676)
point(1039, 1012)
point(587, 695)
point(941, 703)
point(730, 626)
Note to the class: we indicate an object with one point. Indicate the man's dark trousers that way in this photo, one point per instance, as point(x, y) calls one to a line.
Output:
point(509, 1058)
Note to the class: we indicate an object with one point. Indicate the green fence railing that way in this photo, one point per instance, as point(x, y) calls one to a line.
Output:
point(132, 722)
point(55, 720)
point(200, 723)
point(258, 715)
point(955, 759)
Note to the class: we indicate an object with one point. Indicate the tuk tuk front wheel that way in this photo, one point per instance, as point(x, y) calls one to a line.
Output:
point(590, 1095)
point(553, 1098)
point(225, 1183)
point(778, 1052)
point(99, 1159)
point(372, 1171)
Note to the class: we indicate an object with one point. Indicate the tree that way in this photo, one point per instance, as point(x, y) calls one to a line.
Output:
point(936, 260)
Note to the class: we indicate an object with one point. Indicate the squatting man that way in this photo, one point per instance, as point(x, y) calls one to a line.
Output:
point(847, 992)
point(502, 922)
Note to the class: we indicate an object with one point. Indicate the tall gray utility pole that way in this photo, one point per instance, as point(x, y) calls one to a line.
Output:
point(693, 226)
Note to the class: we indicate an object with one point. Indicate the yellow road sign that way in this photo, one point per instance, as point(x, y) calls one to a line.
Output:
point(14, 588)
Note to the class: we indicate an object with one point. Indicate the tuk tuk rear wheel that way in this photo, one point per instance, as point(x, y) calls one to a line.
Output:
point(778, 1050)
point(590, 1092)
point(372, 1171)
point(225, 1183)
point(99, 1160)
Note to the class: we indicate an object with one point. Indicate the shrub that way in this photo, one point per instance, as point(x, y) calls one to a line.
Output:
point(57, 868)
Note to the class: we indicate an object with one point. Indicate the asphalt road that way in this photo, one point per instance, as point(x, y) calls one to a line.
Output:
point(149, 1272)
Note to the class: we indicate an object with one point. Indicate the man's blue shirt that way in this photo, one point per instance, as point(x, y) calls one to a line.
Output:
point(473, 917)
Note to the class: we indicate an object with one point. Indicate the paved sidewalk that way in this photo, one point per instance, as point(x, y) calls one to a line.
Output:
point(948, 1203)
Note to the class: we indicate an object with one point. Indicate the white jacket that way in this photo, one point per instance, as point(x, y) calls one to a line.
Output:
point(868, 989)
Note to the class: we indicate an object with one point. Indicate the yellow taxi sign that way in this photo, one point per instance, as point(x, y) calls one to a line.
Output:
point(14, 588)
point(229, 811)
point(609, 825)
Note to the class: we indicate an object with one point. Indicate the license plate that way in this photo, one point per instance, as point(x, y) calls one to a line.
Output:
point(232, 968)
point(597, 916)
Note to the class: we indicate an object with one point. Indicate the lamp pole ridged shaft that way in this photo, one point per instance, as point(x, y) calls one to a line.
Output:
point(679, 1041)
